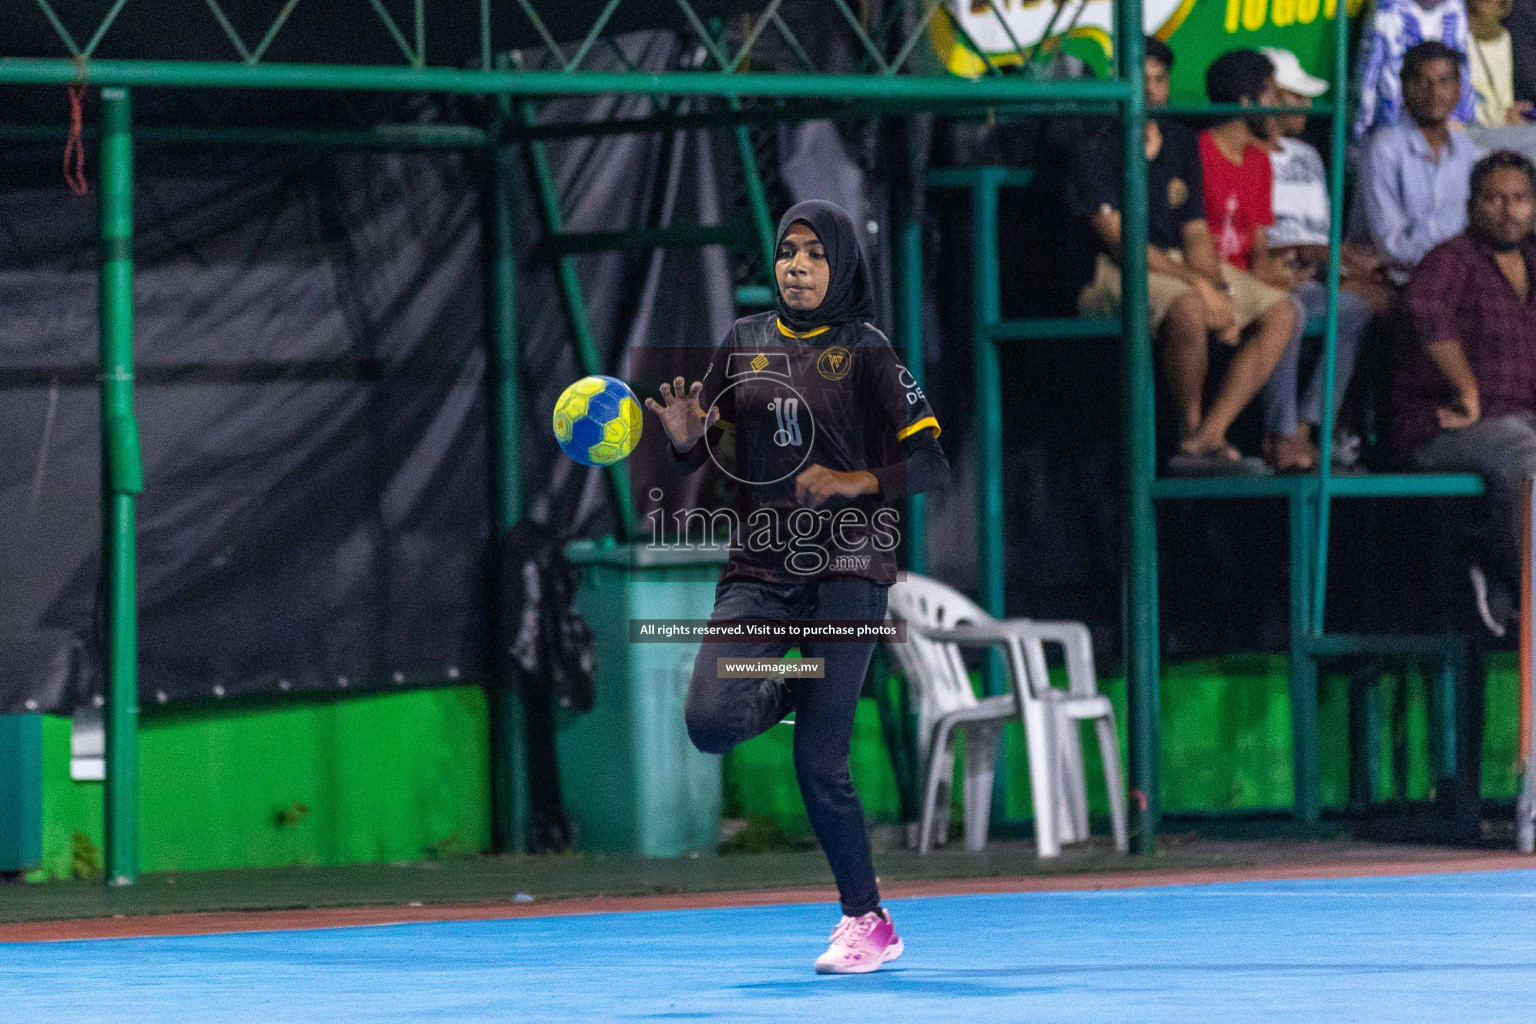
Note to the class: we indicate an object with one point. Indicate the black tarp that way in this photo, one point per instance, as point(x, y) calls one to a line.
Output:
point(309, 335)
point(310, 332)
point(310, 368)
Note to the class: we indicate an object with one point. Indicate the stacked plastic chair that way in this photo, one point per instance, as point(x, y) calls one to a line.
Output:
point(940, 623)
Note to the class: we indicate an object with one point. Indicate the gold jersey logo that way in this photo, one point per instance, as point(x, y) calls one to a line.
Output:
point(835, 363)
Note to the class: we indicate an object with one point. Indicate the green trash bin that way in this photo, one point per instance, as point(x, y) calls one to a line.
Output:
point(21, 793)
point(631, 780)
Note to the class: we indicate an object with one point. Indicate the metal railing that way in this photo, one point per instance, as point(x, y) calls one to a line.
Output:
point(882, 84)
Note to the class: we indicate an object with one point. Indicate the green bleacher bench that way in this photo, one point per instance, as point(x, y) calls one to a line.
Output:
point(1304, 495)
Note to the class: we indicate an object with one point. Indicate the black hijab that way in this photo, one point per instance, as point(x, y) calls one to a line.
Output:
point(849, 295)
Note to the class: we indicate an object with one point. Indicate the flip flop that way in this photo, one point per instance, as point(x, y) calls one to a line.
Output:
point(1215, 463)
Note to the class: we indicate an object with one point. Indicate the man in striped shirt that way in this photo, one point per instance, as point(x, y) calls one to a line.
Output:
point(1397, 26)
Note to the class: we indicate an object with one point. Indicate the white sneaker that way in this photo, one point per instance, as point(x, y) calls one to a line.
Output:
point(860, 945)
point(1346, 451)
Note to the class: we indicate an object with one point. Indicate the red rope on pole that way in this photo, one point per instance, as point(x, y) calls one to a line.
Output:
point(74, 148)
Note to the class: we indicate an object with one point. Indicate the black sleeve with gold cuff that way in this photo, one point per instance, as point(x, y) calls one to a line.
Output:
point(924, 469)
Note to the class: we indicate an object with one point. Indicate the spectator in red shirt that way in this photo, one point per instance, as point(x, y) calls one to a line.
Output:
point(1191, 294)
point(1238, 184)
point(1465, 399)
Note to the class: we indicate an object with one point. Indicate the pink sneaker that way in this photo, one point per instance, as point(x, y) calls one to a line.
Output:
point(860, 945)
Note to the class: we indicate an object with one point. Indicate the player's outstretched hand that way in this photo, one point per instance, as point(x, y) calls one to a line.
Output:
point(684, 421)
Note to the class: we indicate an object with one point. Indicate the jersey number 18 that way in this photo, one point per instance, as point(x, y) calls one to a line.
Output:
point(786, 411)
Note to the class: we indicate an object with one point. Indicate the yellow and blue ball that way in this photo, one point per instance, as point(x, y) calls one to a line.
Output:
point(597, 421)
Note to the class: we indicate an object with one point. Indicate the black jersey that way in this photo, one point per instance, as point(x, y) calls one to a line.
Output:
point(836, 397)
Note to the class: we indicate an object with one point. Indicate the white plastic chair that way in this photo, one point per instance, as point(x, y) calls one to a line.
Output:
point(941, 621)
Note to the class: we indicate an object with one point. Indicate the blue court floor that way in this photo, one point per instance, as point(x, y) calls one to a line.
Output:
point(1445, 948)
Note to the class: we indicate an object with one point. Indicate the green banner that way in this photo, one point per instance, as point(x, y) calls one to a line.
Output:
point(1198, 30)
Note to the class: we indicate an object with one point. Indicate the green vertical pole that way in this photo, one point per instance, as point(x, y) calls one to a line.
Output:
point(506, 401)
point(1441, 693)
point(752, 181)
point(1364, 733)
point(908, 252)
point(1309, 550)
point(757, 196)
point(588, 358)
point(1451, 681)
point(1338, 127)
point(1304, 738)
point(122, 480)
point(1141, 652)
point(986, 311)
point(511, 793)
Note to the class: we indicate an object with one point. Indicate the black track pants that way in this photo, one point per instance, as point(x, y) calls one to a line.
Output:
point(724, 712)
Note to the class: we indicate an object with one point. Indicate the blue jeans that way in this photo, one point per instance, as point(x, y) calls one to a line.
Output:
point(1285, 406)
point(721, 713)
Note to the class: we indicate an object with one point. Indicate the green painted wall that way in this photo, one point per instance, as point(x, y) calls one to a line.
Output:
point(1226, 745)
point(405, 776)
point(388, 777)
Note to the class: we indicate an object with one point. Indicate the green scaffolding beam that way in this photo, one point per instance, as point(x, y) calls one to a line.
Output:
point(1308, 498)
point(812, 94)
point(328, 77)
point(122, 478)
point(510, 793)
point(1143, 679)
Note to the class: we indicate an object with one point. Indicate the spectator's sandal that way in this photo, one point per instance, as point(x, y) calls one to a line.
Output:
point(1215, 463)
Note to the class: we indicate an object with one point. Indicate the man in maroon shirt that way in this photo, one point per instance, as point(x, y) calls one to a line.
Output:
point(1466, 397)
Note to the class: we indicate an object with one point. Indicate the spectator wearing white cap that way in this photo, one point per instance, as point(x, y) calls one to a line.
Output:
point(1299, 239)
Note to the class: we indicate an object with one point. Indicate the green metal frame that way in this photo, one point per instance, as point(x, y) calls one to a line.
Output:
point(1143, 681)
point(1303, 494)
point(749, 97)
point(907, 300)
point(122, 478)
point(744, 96)
point(510, 811)
point(588, 359)
point(1309, 498)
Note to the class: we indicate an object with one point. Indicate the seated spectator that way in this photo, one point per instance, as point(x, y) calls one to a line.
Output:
point(1413, 180)
point(1239, 194)
point(1466, 395)
point(1492, 59)
point(1396, 27)
point(1190, 292)
point(1299, 239)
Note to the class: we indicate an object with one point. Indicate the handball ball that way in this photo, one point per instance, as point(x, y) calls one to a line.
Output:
point(597, 421)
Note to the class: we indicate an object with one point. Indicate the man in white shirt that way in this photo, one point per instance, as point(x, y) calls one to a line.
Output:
point(1299, 238)
point(1413, 179)
point(1491, 60)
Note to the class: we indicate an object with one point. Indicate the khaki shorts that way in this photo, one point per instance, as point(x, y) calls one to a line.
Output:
point(1102, 297)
